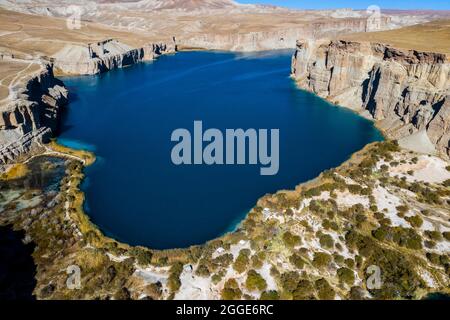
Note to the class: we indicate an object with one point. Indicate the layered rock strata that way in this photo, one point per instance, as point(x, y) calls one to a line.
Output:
point(106, 55)
point(32, 115)
point(278, 38)
point(407, 92)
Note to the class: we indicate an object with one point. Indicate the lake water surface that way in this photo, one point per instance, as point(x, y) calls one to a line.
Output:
point(135, 194)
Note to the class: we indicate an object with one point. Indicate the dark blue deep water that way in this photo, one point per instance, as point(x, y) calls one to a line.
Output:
point(135, 194)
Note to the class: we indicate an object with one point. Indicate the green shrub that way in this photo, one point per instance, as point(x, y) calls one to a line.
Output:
point(354, 188)
point(324, 290)
point(289, 280)
point(433, 257)
point(338, 258)
point(402, 209)
point(326, 241)
point(216, 278)
point(444, 259)
point(173, 282)
point(143, 256)
point(231, 290)
point(291, 240)
point(242, 261)
point(360, 218)
point(415, 221)
point(378, 215)
point(381, 233)
point(257, 263)
point(223, 260)
point(202, 271)
point(270, 295)
point(356, 293)
point(350, 263)
point(429, 244)
point(255, 281)
point(297, 261)
point(321, 259)
point(446, 235)
point(346, 276)
point(303, 291)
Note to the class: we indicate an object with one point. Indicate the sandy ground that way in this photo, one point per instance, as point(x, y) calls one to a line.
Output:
point(430, 37)
point(428, 168)
point(12, 72)
point(418, 142)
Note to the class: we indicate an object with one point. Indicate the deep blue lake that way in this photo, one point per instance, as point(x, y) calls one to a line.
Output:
point(135, 194)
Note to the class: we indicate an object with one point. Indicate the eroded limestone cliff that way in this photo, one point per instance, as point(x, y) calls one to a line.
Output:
point(407, 92)
point(32, 115)
point(276, 38)
point(102, 56)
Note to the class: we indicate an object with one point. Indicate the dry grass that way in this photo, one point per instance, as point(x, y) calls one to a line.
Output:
point(430, 37)
point(26, 35)
point(91, 260)
point(86, 156)
point(4, 91)
point(16, 171)
point(13, 72)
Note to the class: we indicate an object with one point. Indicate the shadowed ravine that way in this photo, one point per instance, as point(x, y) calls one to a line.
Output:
point(135, 194)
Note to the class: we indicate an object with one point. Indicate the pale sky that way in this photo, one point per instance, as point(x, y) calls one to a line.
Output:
point(356, 4)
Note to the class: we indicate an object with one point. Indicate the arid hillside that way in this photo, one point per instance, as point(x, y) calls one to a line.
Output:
point(430, 37)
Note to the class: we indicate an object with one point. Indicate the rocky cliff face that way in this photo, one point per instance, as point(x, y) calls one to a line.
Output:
point(32, 115)
point(279, 38)
point(406, 92)
point(106, 55)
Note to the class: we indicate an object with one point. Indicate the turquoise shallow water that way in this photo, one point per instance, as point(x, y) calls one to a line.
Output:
point(135, 194)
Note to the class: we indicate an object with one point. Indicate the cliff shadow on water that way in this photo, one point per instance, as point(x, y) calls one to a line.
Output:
point(17, 268)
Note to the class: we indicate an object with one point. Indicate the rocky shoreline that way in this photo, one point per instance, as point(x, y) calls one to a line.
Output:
point(287, 224)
